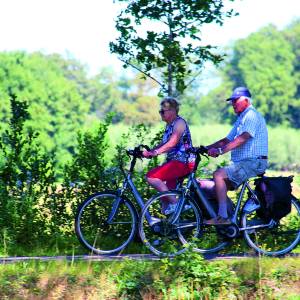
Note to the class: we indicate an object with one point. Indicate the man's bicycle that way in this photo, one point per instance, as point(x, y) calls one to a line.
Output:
point(268, 237)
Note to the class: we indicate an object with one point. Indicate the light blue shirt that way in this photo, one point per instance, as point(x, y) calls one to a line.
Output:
point(250, 121)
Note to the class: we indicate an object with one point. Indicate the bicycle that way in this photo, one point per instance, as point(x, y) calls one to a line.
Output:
point(273, 238)
point(106, 222)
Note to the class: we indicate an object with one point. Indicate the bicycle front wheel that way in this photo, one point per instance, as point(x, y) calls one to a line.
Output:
point(277, 239)
point(161, 236)
point(105, 224)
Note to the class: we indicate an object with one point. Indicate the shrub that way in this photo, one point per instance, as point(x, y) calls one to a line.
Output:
point(26, 180)
point(187, 276)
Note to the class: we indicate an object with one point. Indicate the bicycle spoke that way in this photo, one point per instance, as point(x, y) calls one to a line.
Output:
point(165, 238)
point(93, 230)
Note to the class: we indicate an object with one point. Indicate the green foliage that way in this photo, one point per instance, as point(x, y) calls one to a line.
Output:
point(257, 279)
point(26, 180)
point(187, 276)
point(52, 280)
point(292, 36)
point(56, 106)
point(267, 62)
point(88, 162)
point(176, 49)
point(83, 175)
point(138, 104)
point(264, 63)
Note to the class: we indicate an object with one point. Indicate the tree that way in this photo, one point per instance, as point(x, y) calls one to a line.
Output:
point(55, 103)
point(139, 104)
point(292, 35)
point(173, 44)
point(264, 62)
point(265, 65)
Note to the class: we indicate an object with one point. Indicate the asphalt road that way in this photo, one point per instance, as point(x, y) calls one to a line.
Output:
point(5, 260)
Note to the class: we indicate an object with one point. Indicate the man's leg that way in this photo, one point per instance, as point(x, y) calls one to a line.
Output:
point(220, 178)
point(221, 188)
point(208, 187)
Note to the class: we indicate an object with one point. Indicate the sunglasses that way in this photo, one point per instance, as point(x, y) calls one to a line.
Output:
point(162, 112)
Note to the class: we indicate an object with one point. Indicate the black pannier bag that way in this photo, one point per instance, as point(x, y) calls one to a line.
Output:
point(275, 194)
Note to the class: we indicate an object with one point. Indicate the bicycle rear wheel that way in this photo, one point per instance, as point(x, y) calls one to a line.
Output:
point(277, 239)
point(94, 229)
point(162, 237)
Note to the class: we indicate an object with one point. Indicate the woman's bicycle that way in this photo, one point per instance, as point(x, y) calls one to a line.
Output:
point(186, 223)
point(106, 222)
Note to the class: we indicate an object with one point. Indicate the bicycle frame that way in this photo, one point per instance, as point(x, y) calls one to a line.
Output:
point(239, 202)
point(192, 182)
point(128, 185)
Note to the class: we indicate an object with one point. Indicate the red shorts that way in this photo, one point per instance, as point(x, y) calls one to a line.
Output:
point(170, 172)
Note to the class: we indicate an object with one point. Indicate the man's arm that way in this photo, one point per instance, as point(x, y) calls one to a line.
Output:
point(218, 144)
point(237, 142)
point(230, 145)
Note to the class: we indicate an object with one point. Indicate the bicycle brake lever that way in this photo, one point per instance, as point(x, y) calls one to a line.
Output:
point(203, 150)
point(145, 147)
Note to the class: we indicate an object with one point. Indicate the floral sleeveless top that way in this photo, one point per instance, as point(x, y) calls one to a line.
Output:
point(185, 142)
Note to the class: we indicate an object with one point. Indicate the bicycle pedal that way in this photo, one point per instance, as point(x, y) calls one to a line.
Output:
point(172, 207)
point(251, 206)
point(157, 242)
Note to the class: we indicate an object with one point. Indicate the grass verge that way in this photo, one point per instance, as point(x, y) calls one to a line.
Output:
point(185, 277)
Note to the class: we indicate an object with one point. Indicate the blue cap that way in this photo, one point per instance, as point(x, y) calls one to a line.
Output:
point(238, 92)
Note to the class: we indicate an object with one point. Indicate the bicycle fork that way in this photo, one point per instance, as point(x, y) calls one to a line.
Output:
point(115, 207)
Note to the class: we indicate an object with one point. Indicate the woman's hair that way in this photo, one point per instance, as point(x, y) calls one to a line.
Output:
point(173, 103)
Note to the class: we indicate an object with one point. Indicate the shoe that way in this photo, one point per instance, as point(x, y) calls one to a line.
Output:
point(154, 221)
point(218, 220)
point(171, 208)
point(250, 206)
point(156, 243)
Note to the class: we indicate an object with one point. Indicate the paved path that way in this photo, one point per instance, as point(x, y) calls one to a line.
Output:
point(4, 260)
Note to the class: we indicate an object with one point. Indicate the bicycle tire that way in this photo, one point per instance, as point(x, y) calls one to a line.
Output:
point(162, 238)
point(275, 241)
point(95, 233)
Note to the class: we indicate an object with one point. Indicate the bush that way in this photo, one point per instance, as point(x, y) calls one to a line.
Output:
point(26, 180)
point(187, 276)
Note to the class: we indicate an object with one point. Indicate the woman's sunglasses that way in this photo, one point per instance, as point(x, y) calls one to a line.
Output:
point(162, 111)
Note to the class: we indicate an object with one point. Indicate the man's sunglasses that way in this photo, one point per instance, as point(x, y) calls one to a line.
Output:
point(163, 111)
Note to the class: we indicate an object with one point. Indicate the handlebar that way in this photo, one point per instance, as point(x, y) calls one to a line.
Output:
point(137, 151)
point(198, 150)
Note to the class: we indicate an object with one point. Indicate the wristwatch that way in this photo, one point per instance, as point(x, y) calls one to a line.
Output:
point(220, 151)
point(155, 152)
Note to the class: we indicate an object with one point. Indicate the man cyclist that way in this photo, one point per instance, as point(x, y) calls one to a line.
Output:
point(176, 140)
point(248, 143)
